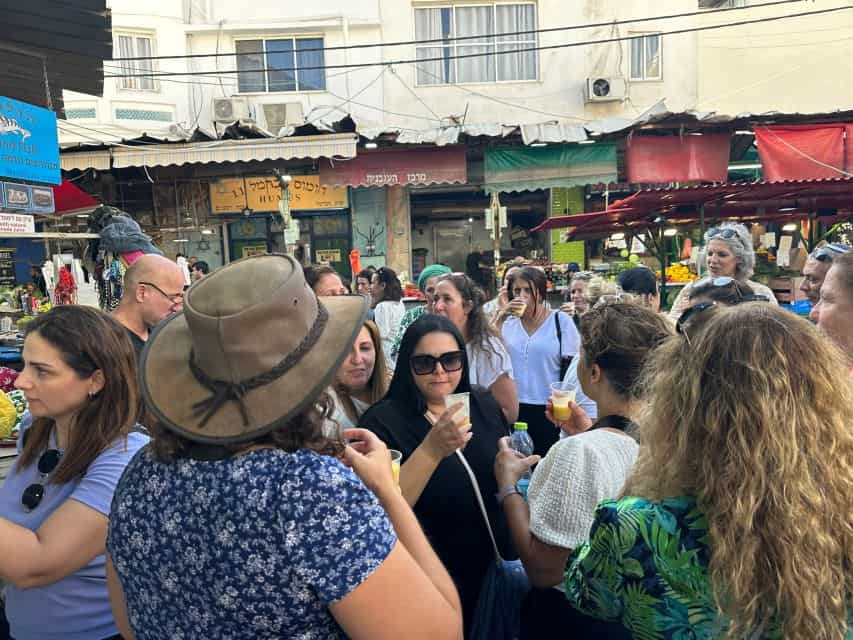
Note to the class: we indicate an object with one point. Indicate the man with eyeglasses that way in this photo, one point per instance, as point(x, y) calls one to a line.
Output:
point(816, 267)
point(153, 289)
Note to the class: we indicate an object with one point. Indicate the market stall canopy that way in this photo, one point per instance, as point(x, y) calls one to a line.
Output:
point(510, 169)
point(831, 200)
point(70, 199)
point(397, 167)
point(806, 151)
point(677, 158)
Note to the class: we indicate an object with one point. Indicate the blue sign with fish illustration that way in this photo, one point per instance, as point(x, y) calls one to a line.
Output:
point(29, 148)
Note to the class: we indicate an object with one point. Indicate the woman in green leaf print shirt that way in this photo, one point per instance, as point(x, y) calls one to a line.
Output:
point(745, 524)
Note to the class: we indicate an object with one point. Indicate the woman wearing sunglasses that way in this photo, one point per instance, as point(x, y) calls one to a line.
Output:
point(413, 419)
point(728, 253)
point(79, 378)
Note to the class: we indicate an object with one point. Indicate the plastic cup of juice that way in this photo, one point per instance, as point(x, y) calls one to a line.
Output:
point(562, 393)
point(520, 312)
point(396, 460)
point(465, 412)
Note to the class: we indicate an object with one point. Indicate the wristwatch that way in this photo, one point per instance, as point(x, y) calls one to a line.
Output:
point(503, 495)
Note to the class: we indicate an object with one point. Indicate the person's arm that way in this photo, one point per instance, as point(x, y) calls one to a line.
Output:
point(542, 562)
point(410, 595)
point(117, 601)
point(71, 537)
point(443, 439)
point(507, 311)
point(504, 391)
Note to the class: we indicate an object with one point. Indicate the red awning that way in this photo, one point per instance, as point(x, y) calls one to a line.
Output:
point(685, 158)
point(805, 151)
point(69, 199)
point(760, 201)
point(442, 165)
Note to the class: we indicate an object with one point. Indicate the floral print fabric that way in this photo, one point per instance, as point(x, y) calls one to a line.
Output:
point(253, 546)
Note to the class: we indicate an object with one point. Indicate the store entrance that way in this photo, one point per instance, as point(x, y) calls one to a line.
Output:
point(329, 237)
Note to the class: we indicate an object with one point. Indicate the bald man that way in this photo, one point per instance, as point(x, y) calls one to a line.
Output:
point(153, 288)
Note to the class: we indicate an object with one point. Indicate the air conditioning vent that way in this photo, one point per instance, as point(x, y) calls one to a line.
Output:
point(228, 110)
point(606, 89)
point(282, 114)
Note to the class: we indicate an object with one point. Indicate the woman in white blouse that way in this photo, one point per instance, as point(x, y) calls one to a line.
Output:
point(460, 300)
point(540, 340)
point(386, 294)
point(584, 469)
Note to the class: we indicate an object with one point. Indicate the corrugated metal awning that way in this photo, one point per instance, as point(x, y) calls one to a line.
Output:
point(162, 155)
point(83, 160)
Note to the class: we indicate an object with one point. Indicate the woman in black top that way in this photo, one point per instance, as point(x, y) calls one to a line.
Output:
point(412, 418)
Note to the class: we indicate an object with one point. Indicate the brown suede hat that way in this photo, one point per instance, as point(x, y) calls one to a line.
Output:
point(253, 347)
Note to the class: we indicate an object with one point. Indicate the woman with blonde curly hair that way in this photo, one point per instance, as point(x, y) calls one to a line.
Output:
point(737, 519)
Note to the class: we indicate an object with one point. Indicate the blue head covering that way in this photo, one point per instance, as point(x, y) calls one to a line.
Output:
point(430, 272)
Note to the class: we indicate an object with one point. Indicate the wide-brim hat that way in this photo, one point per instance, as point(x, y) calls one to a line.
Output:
point(253, 347)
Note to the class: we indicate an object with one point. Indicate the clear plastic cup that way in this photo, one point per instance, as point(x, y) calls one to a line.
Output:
point(562, 393)
point(396, 461)
point(462, 416)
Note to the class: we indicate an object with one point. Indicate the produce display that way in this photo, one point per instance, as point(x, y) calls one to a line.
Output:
point(678, 273)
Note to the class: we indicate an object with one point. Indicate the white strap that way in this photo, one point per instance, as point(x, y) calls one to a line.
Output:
point(474, 484)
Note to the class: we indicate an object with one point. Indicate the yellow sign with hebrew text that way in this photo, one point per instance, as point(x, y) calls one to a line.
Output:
point(262, 193)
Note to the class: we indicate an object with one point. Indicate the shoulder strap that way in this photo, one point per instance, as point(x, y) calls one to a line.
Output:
point(559, 333)
point(476, 487)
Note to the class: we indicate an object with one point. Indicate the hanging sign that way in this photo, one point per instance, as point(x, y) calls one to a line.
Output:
point(328, 255)
point(29, 147)
point(16, 223)
point(262, 194)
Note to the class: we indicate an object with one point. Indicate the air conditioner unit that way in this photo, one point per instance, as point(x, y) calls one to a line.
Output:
point(228, 110)
point(606, 89)
point(282, 114)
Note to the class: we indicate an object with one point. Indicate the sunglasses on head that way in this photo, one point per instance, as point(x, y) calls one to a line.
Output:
point(695, 310)
point(33, 494)
point(830, 251)
point(717, 232)
point(425, 364)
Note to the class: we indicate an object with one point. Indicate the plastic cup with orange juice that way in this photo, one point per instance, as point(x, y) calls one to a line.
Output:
point(396, 460)
point(562, 393)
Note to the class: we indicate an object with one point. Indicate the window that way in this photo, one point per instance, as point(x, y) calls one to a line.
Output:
point(288, 64)
point(481, 23)
point(646, 57)
point(135, 46)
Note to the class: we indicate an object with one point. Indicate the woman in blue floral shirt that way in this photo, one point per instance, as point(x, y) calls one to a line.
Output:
point(243, 520)
point(745, 527)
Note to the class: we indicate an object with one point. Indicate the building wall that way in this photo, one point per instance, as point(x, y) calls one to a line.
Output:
point(797, 65)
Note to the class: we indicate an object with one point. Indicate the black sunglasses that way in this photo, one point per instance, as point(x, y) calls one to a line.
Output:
point(33, 495)
point(696, 309)
point(831, 251)
point(728, 234)
point(425, 364)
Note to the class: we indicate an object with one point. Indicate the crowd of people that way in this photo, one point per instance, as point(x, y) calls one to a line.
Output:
point(217, 462)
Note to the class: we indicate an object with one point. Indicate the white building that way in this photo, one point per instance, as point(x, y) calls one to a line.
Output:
point(528, 86)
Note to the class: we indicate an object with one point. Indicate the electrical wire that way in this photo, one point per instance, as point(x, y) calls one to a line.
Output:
point(349, 100)
point(414, 93)
point(516, 51)
point(575, 27)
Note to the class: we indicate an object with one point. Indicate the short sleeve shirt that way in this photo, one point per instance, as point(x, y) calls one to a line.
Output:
point(253, 546)
point(536, 358)
point(75, 607)
point(488, 362)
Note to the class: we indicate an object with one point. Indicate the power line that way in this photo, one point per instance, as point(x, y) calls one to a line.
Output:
point(480, 55)
point(478, 37)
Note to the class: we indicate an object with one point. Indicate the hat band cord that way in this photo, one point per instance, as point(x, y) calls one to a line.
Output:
point(223, 391)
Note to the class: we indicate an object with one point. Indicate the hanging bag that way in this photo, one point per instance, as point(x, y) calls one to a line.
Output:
point(498, 613)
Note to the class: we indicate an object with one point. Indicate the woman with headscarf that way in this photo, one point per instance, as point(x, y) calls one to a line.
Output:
point(426, 283)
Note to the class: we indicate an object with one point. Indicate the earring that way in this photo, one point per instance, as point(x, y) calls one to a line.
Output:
point(92, 394)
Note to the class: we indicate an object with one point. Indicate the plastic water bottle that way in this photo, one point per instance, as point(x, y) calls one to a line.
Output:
point(520, 441)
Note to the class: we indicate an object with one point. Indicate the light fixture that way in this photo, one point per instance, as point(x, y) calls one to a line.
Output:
point(587, 141)
point(207, 232)
point(370, 145)
point(82, 215)
point(670, 232)
point(744, 132)
point(247, 212)
point(470, 219)
point(617, 236)
point(695, 133)
point(784, 209)
point(180, 240)
point(743, 167)
point(791, 226)
point(538, 144)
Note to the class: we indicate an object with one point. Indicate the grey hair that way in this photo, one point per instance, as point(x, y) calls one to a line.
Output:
point(598, 287)
point(740, 245)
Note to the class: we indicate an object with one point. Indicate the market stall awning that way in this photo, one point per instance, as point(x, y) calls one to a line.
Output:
point(805, 151)
point(162, 155)
point(83, 160)
point(677, 158)
point(510, 169)
point(830, 200)
point(386, 168)
point(69, 199)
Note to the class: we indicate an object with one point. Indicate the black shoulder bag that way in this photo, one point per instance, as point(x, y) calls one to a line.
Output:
point(565, 361)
